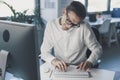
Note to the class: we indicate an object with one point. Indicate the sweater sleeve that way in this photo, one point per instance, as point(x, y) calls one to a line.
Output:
point(46, 47)
point(92, 43)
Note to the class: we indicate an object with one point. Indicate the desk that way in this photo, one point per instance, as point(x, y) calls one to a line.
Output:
point(102, 74)
point(113, 20)
point(111, 31)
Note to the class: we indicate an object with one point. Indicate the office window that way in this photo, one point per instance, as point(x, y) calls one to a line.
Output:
point(18, 5)
point(114, 4)
point(82, 1)
point(97, 5)
point(49, 4)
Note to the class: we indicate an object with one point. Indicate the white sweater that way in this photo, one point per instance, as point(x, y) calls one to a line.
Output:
point(71, 45)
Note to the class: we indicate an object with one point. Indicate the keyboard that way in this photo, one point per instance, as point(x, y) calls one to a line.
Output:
point(71, 72)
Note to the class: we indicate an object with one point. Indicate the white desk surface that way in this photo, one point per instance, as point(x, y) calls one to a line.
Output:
point(113, 20)
point(97, 74)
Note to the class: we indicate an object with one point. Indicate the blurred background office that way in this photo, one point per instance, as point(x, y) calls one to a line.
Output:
point(39, 12)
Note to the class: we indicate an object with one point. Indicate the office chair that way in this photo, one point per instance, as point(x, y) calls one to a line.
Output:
point(104, 31)
point(108, 33)
point(118, 29)
point(88, 52)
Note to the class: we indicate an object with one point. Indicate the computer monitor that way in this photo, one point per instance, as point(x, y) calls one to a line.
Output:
point(19, 40)
point(116, 13)
point(92, 17)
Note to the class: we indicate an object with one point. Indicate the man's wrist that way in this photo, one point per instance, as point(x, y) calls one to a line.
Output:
point(53, 61)
point(90, 64)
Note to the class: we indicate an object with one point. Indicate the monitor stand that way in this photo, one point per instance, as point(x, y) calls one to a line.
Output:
point(3, 60)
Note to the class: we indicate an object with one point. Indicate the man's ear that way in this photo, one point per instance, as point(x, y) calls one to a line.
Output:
point(64, 11)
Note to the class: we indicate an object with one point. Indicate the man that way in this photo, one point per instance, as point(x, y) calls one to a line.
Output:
point(69, 36)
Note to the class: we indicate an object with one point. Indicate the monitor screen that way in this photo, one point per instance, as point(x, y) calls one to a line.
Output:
point(19, 40)
point(116, 13)
point(92, 17)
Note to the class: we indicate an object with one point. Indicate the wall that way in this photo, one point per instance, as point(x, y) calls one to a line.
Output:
point(62, 4)
point(51, 9)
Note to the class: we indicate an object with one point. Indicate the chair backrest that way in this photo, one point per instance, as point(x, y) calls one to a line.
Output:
point(104, 28)
point(88, 52)
point(97, 35)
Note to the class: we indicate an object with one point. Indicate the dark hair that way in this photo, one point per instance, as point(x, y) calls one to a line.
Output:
point(78, 8)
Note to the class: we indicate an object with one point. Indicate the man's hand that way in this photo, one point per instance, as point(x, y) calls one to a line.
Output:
point(85, 66)
point(61, 65)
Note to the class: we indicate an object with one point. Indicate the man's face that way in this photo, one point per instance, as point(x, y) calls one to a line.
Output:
point(71, 20)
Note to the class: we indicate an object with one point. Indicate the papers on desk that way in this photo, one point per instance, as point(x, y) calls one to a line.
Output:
point(97, 74)
point(46, 71)
point(71, 72)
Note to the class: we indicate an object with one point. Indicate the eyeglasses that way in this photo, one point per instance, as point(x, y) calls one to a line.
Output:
point(69, 22)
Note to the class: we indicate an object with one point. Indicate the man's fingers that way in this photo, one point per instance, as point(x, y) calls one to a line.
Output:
point(81, 65)
point(61, 66)
point(87, 65)
point(64, 65)
point(58, 66)
point(84, 66)
point(88, 70)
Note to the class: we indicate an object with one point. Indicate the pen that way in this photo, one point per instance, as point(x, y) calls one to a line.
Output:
point(50, 73)
point(89, 74)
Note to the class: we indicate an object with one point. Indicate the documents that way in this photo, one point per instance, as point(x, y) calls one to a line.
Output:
point(54, 74)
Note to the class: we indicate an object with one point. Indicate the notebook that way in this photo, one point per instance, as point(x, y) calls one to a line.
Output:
point(71, 72)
